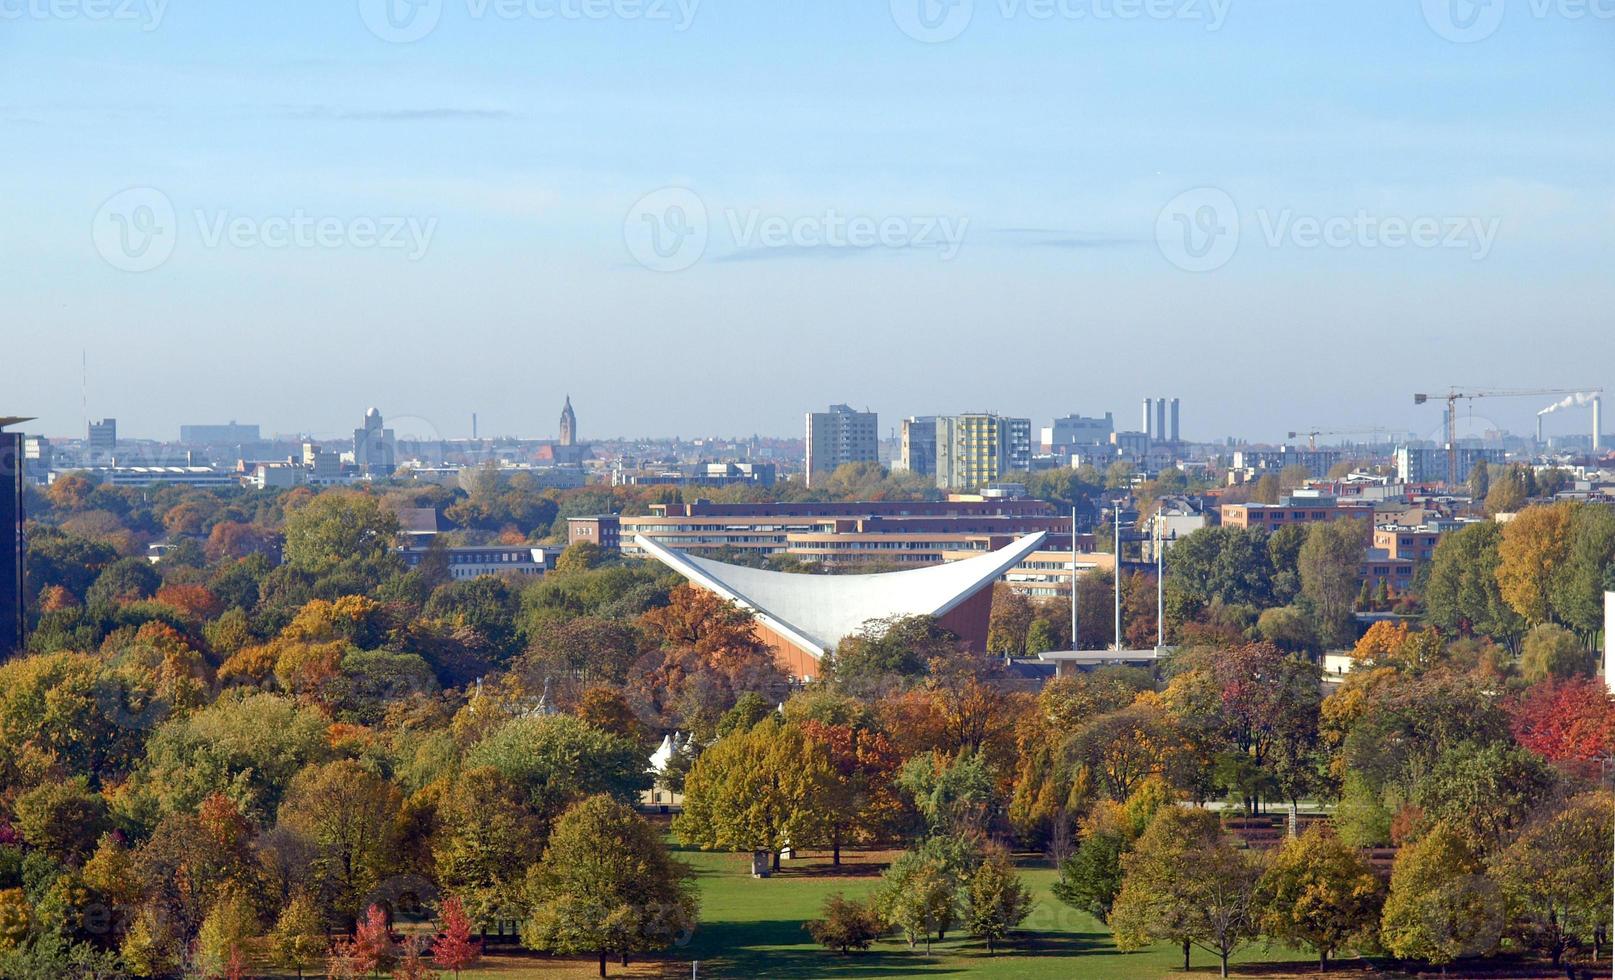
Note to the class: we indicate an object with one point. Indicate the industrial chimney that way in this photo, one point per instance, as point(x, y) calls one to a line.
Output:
point(1598, 422)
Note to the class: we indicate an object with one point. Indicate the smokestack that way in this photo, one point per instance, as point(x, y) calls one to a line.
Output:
point(1160, 419)
point(1539, 430)
point(1598, 423)
point(1175, 434)
point(1148, 428)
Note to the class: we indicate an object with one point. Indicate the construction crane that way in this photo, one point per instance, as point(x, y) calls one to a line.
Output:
point(1313, 434)
point(1453, 395)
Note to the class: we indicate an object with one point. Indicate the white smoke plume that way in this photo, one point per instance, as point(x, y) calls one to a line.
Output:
point(1571, 401)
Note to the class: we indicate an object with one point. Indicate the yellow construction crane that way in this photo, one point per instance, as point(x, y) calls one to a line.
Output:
point(1454, 394)
point(1313, 434)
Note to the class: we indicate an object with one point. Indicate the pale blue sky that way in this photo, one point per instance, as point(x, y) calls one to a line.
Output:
point(520, 144)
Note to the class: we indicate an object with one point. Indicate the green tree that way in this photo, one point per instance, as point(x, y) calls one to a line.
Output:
point(342, 529)
point(556, 760)
point(350, 817)
point(1091, 877)
point(229, 925)
point(484, 840)
point(1461, 594)
point(1554, 876)
point(1331, 563)
point(1484, 792)
point(1552, 652)
point(1440, 906)
point(1320, 892)
point(606, 884)
point(759, 790)
point(995, 900)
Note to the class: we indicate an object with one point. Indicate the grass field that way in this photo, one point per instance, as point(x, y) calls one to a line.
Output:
point(753, 928)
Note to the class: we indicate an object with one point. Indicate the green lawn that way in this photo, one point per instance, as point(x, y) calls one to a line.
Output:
point(753, 927)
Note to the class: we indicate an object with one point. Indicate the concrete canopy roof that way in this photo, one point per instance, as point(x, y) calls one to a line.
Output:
point(815, 612)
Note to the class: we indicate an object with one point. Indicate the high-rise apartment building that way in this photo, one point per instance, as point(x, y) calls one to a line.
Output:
point(977, 449)
point(839, 436)
point(918, 454)
point(1075, 432)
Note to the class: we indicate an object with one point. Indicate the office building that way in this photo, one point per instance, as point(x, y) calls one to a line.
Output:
point(980, 448)
point(1296, 510)
point(569, 424)
point(13, 621)
point(1075, 433)
point(374, 447)
point(1428, 464)
point(102, 440)
point(918, 454)
point(840, 436)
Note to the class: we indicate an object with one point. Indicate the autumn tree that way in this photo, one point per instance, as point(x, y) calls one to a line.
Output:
point(1462, 594)
point(844, 925)
point(350, 817)
point(373, 948)
point(1551, 651)
point(1320, 892)
point(918, 896)
point(606, 884)
point(453, 948)
point(1535, 546)
point(483, 841)
point(866, 807)
point(706, 654)
point(1566, 721)
point(758, 790)
point(298, 940)
point(1440, 905)
point(1186, 882)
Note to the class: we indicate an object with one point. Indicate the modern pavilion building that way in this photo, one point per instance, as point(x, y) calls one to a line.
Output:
point(802, 617)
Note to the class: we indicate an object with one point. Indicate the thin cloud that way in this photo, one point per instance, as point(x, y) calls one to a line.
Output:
point(441, 114)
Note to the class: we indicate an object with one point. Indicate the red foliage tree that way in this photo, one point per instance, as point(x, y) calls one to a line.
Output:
point(454, 949)
point(196, 601)
point(1566, 720)
point(373, 947)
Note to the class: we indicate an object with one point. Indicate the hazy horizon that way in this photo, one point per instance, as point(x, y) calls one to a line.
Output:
point(714, 217)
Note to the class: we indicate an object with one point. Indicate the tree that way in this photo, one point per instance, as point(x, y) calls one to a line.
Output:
point(484, 840)
point(1319, 891)
point(1566, 721)
point(844, 925)
point(556, 760)
point(1092, 875)
point(866, 807)
point(1440, 907)
point(1222, 563)
point(1462, 594)
point(1554, 875)
point(373, 948)
point(888, 651)
point(706, 655)
point(351, 817)
point(1186, 882)
point(65, 819)
point(953, 794)
point(228, 926)
point(758, 790)
point(1534, 547)
point(995, 900)
point(125, 580)
point(1483, 793)
point(918, 896)
point(606, 883)
point(1010, 619)
point(579, 556)
point(1331, 564)
point(1123, 748)
point(1551, 651)
point(298, 939)
point(453, 949)
point(341, 529)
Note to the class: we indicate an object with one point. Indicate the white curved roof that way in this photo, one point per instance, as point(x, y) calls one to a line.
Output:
point(816, 612)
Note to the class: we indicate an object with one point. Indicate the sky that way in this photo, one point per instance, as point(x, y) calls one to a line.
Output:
point(710, 216)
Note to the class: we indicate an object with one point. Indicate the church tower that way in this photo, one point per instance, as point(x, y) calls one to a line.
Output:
point(569, 424)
